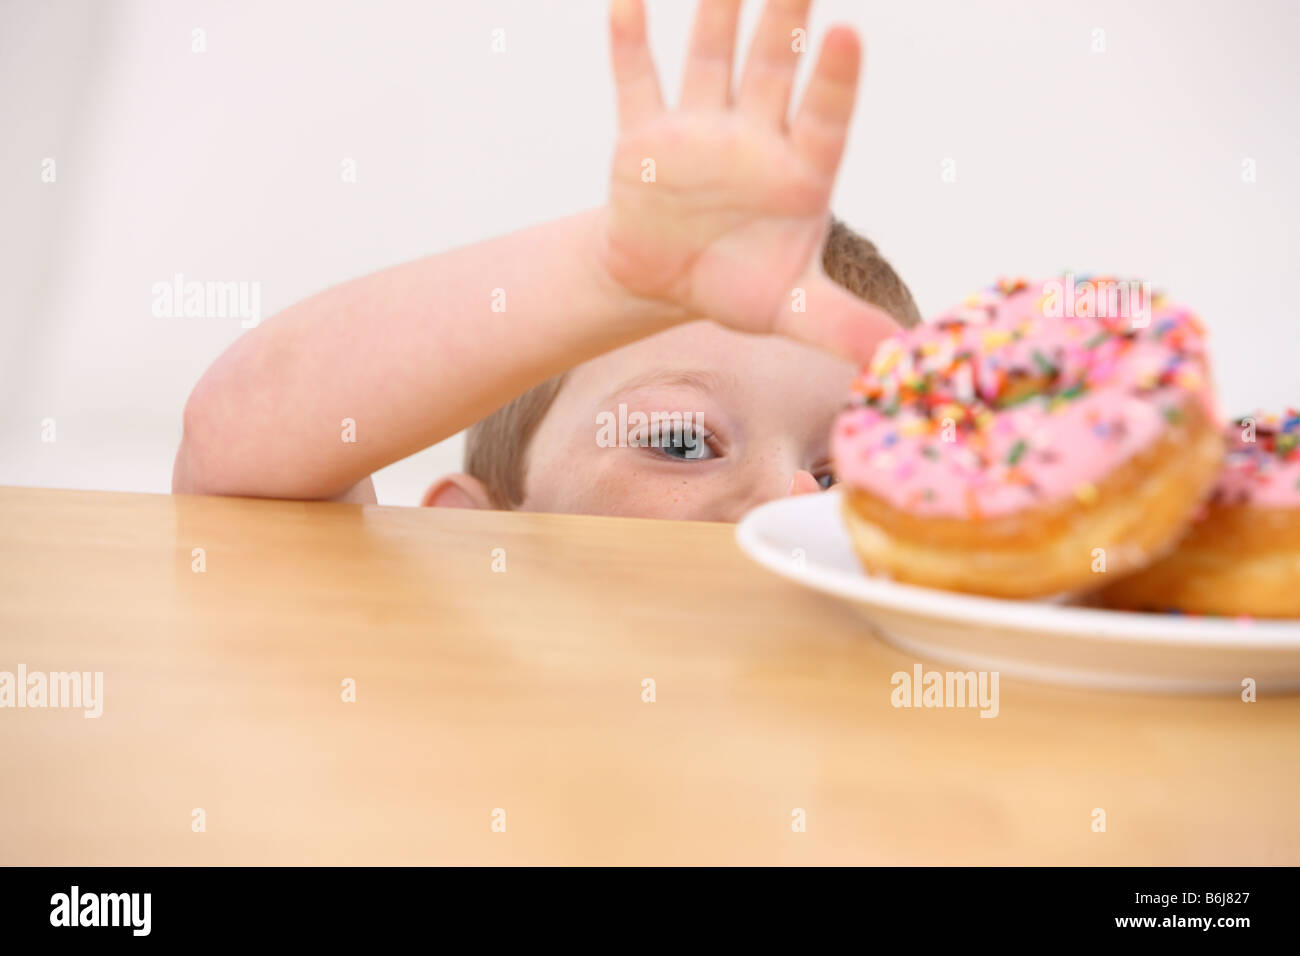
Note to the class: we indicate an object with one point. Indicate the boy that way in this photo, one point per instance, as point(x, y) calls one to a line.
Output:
point(713, 288)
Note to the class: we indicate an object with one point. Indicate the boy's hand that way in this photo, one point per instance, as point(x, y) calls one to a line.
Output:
point(735, 216)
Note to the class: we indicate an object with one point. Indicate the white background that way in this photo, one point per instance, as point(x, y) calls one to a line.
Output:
point(225, 165)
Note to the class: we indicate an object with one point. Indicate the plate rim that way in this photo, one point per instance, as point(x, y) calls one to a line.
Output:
point(968, 609)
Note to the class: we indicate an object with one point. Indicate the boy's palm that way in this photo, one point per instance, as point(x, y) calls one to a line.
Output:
point(720, 208)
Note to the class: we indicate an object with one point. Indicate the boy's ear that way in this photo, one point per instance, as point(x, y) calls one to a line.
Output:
point(457, 491)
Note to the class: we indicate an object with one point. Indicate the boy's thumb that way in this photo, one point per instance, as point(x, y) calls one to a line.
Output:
point(832, 318)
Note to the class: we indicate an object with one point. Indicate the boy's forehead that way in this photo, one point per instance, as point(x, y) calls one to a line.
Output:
point(710, 356)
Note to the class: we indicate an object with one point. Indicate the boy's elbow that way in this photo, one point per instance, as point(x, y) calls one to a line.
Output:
point(196, 469)
point(183, 472)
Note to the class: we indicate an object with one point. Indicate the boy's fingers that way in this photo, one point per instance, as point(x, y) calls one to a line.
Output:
point(769, 72)
point(822, 122)
point(836, 320)
point(634, 69)
point(707, 81)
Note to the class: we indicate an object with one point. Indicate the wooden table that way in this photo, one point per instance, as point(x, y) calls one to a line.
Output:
point(522, 691)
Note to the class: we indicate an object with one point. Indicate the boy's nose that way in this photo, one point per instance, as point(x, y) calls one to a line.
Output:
point(803, 483)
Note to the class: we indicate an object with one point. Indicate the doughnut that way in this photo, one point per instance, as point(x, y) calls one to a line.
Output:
point(1242, 558)
point(1016, 448)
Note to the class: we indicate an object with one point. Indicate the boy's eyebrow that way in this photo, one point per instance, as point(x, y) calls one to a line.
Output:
point(704, 381)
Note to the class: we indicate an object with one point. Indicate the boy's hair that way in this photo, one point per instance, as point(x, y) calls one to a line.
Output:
point(496, 448)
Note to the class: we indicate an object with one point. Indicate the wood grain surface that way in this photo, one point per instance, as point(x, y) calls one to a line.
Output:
point(521, 691)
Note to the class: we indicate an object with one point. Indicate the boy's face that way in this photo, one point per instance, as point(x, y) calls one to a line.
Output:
point(766, 405)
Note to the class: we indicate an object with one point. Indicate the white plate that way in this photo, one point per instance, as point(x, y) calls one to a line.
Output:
point(804, 539)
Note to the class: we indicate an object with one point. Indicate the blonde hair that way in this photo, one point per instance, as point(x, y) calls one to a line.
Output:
point(496, 448)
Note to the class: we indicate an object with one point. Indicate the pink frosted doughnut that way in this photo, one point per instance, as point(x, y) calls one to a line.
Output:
point(1242, 556)
point(995, 448)
point(1262, 468)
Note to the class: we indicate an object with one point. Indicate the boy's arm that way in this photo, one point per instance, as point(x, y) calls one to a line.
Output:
point(717, 210)
point(412, 355)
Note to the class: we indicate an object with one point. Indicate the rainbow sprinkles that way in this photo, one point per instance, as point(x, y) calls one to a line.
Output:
point(1262, 468)
point(1000, 406)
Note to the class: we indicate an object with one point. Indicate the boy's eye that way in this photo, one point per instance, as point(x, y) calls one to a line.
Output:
point(826, 480)
point(683, 443)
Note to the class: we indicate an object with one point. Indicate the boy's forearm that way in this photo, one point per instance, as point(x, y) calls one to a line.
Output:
point(411, 355)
